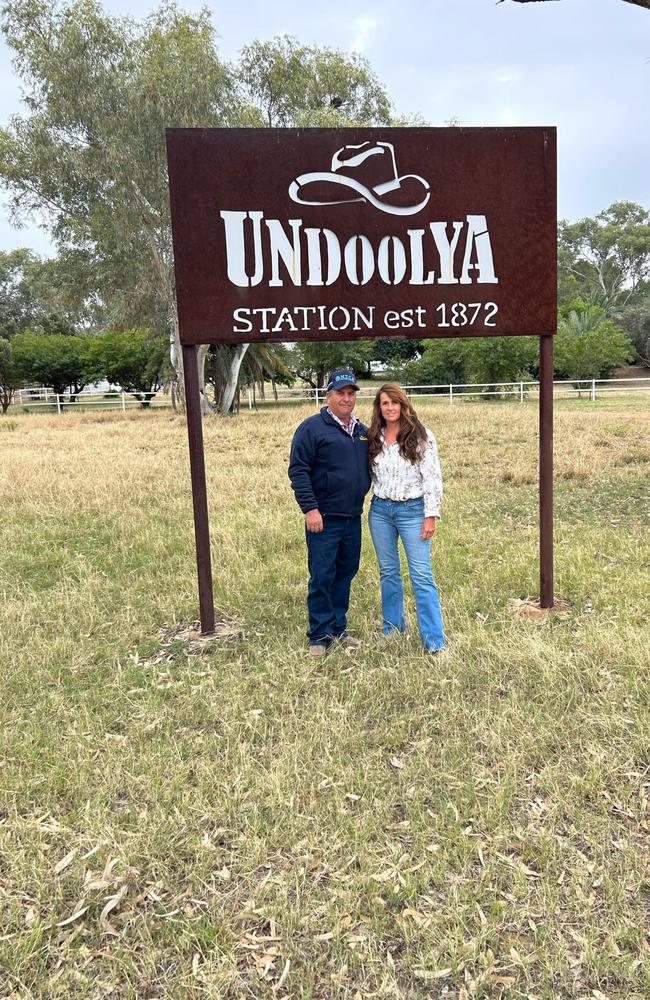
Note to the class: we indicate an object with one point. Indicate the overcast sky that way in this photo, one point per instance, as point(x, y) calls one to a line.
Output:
point(583, 65)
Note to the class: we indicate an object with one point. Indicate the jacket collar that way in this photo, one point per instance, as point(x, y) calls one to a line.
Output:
point(359, 428)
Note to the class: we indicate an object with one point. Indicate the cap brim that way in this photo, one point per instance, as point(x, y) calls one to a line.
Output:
point(343, 385)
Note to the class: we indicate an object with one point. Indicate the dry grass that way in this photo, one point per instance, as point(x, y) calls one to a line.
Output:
point(236, 821)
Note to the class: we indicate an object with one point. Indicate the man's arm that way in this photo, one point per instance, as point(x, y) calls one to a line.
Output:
point(303, 455)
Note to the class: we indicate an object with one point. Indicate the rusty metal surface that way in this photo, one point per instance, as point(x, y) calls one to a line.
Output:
point(199, 489)
point(546, 586)
point(390, 190)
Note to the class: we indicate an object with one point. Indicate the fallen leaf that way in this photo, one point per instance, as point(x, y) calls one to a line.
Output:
point(285, 972)
point(65, 862)
point(112, 903)
point(75, 916)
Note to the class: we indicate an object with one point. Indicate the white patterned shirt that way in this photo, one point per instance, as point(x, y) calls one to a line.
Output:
point(395, 478)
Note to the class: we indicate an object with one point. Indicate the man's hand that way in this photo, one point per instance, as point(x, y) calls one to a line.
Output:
point(313, 520)
point(428, 528)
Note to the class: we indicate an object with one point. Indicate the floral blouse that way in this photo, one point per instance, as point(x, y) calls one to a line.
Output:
point(395, 478)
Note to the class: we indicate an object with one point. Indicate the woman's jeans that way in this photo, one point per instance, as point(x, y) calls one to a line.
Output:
point(388, 521)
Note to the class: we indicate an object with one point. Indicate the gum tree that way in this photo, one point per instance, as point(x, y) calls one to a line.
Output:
point(87, 156)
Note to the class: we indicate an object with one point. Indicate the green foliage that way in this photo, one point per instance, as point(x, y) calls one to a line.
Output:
point(588, 344)
point(89, 154)
point(442, 362)
point(301, 85)
point(394, 352)
point(132, 359)
point(51, 359)
point(33, 295)
point(500, 359)
point(606, 259)
point(313, 360)
point(635, 321)
point(9, 378)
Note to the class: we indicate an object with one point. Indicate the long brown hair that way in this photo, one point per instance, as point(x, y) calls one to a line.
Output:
point(412, 434)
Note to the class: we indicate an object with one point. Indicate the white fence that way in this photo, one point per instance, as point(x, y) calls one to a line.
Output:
point(590, 389)
point(34, 399)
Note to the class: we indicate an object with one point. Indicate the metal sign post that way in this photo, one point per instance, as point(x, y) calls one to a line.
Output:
point(546, 471)
point(199, 491)
point(285, 235)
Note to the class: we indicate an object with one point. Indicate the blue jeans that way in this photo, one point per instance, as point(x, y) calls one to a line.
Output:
point(333, 558)
point(390, 520)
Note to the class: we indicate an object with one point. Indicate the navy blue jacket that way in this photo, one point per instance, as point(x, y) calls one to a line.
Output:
point(328, 469)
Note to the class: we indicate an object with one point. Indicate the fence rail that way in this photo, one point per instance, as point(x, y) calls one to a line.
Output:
point(109, 399)
point(453, 392)
point(591, 389)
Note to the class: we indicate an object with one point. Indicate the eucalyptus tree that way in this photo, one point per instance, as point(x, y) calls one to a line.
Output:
point(34, 294)
point(606, 259)
point(87, 155)
point(9, 377)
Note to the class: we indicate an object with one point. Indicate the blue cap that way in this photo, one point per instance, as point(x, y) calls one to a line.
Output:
point(339, 378)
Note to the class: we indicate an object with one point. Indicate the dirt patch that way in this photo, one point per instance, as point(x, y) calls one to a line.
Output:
point(529, 607)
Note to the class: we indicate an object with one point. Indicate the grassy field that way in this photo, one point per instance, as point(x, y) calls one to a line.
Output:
point(238, 821)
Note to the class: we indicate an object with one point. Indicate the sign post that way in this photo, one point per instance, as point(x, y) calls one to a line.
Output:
point(199, 492)
point(546, 471)
point(340, 234)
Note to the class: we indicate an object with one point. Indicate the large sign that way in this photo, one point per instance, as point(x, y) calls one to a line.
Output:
point(336, 234)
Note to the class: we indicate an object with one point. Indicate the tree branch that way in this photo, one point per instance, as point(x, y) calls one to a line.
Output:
point(638, 3)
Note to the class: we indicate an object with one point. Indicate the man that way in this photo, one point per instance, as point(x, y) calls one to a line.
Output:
point(329, 474)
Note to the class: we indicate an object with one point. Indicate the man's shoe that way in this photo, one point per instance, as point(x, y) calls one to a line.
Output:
point(317, 649)
point(350, 641)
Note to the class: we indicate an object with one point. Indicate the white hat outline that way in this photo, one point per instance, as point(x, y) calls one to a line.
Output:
point(366, 194)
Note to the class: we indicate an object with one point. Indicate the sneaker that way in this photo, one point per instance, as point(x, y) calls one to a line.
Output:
point(350, 641)
point(317, 649)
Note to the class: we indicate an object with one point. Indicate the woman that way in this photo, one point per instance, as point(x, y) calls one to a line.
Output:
point(407, 490)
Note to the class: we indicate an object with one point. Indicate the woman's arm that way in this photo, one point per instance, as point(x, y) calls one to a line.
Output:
point(431, 478)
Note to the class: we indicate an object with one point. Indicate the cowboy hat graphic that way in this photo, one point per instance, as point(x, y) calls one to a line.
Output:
point(367, 172)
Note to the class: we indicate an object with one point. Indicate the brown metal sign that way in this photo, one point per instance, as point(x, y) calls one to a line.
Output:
point(337, 234)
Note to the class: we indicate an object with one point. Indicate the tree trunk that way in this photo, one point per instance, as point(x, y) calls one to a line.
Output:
point(230, 387)
point(176, 358)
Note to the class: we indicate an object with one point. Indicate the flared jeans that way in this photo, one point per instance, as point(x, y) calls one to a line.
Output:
point(389, 520)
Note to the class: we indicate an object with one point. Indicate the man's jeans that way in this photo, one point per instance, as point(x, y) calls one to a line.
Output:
point(388, 521)
point(333, 559)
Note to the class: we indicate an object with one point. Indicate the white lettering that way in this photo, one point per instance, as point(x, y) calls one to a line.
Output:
point(398, 262)
point(346, 318)
point(283, 249)
point(479, 237)
point(285, 317)
point(314, 257)
point(446, 250)
point(417, 259)
point(290, 249)
point(367, 260)
point(241, 316)
point(359, 316)
point(236, 248)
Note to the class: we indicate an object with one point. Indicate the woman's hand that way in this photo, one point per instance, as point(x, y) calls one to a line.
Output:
point(428, 528)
